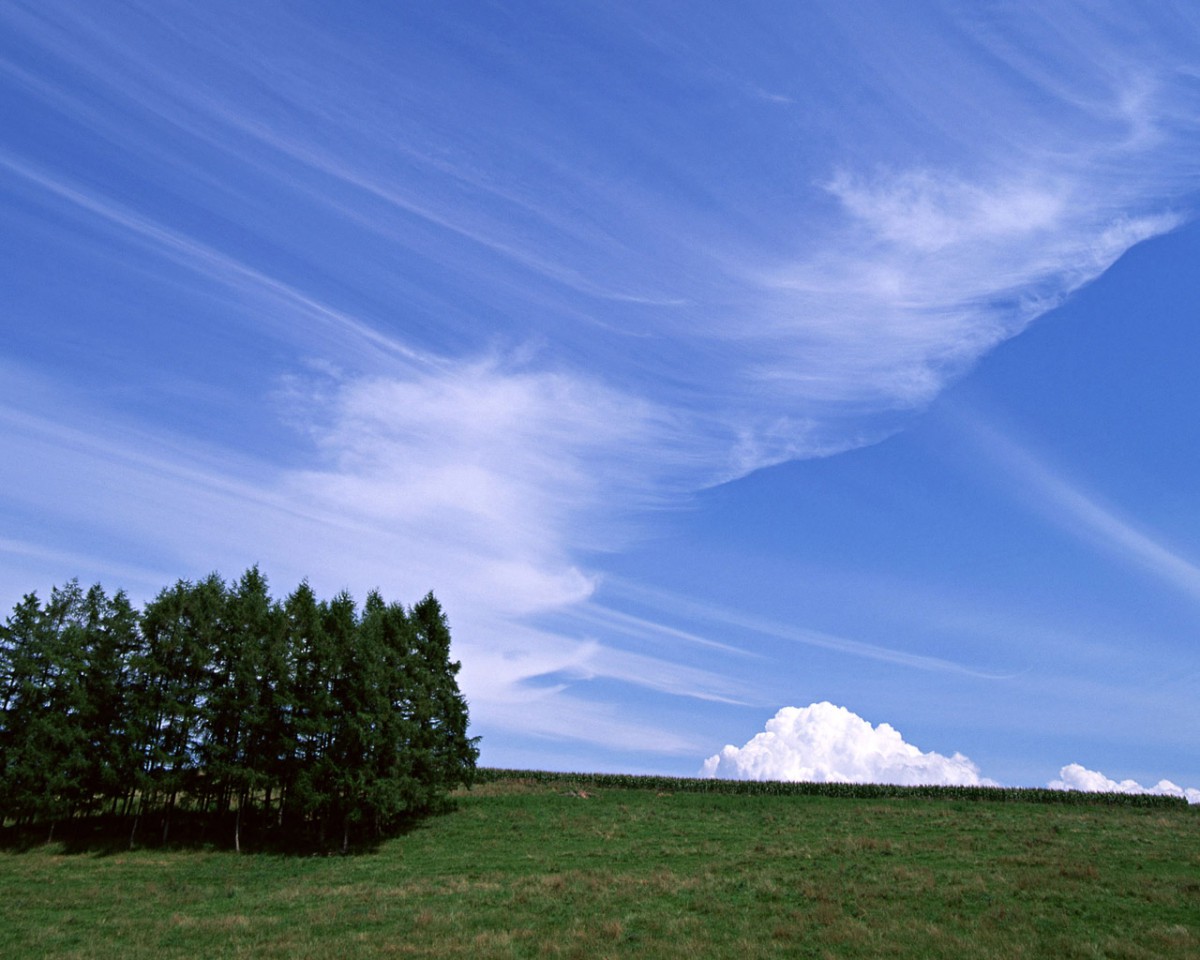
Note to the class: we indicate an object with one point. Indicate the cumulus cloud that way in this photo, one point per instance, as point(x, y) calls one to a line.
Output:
point(1074, 776)
point(827, 743)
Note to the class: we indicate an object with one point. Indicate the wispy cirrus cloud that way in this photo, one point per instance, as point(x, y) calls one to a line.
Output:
point(513, 468)
point(233, 275)
point(1067, 504)
point(896, 284)
point(393, 509)
point(926, 273)
point(542, 315)
point(743, 621)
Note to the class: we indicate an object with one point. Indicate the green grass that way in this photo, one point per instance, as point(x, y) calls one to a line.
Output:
point(528, 869)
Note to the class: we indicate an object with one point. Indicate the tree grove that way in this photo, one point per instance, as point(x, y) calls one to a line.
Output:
point(233, 713)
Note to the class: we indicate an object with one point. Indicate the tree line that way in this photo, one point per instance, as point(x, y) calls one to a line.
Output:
point(221, 711)
point(838, 789)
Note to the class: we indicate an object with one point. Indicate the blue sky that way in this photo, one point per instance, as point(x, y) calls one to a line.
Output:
point(705, 360)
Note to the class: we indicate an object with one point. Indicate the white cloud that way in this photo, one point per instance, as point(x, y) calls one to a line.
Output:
point(1077, 777)
point(475, 481)
point(925, 272)
point(487, 481)
point(505, 471)
point(925, 212)
point(712, 614)
point(1068, 505)
point(826, 743)
point(304, 311)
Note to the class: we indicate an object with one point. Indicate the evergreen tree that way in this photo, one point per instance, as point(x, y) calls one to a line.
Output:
point(112, 641)
point(272, 726)
point(305, 715)
point(180, 629)
point(25, 675)
point(391, 764)
point(237, 700)
point(310, 709)
point(341, 772)
point(44, 752)
point(442, 710)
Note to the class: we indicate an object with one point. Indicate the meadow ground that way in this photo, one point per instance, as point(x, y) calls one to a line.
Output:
point(523, 869)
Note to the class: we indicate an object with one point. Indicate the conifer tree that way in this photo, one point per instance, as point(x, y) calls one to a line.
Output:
point(180, 629)
point(442, 710)
point(305, 715)
point(112, 639)
point(25, 675)
point(311, 710)
point(342, 766)
point(391, 793)
point(235, 715)
point(44, 752)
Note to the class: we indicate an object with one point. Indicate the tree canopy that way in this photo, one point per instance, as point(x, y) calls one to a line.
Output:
point(224, 709)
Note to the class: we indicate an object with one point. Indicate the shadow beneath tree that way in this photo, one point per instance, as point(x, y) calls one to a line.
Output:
point(108, 835)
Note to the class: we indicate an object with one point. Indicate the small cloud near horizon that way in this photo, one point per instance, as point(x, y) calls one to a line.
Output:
point(826, 743)
point(1074, 776)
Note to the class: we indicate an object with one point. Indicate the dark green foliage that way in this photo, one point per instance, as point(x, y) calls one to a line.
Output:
point(220, 709)
point(112, 641)
point(439, 713)
point(44, 743)
point(848, 791)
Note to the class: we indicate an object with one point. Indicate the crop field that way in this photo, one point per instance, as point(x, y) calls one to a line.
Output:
point(556, 866)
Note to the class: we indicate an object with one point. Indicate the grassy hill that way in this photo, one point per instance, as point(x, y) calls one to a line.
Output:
point(554, 866)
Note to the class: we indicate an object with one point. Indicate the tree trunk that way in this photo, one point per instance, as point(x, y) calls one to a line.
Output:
point(137, 818)
point(167, 818)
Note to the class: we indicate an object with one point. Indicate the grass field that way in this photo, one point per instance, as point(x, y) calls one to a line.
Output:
point(525, 869)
